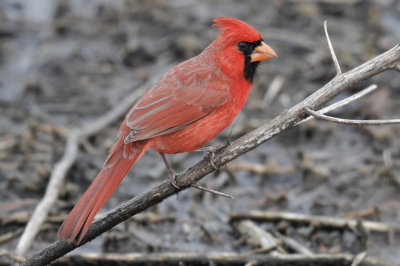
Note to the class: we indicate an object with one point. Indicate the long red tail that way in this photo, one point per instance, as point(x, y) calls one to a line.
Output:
point(118, 163)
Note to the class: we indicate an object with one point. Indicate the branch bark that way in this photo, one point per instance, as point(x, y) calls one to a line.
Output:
point(222, 259)
point(287, 119)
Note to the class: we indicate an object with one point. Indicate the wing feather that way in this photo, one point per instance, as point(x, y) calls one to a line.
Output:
point(187, 93)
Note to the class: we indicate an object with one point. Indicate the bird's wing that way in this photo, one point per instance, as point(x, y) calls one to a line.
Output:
point(186, 94)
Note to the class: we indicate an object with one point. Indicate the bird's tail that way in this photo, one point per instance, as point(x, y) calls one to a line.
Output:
point(117, 165)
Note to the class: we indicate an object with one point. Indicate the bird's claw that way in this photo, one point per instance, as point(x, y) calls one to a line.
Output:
point(211, 153)
point(170, 171)
point(171, 176)
point(211, 156)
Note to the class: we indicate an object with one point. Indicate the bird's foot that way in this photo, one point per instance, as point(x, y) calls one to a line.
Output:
point(211, 154)
point(170, 171)
point(171, 177)
point(228, 142)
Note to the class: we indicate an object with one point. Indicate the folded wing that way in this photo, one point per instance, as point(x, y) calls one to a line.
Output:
point(186, 94)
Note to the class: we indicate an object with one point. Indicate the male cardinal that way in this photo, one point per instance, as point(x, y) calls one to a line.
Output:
point(191, 104)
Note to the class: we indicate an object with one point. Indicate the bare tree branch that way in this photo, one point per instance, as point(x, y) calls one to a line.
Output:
point(343, 102)
point(352, 121)
point(238, 147)
point(222, 259)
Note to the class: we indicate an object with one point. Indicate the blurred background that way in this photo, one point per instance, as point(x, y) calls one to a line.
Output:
point(65, 63)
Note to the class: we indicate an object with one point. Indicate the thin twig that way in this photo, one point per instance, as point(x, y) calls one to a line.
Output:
point(363, 213)
point(212, 191)
point(50, 197)
point(238, 147)
point(323, 221)
point(7, 142)
point(273, 89)
point(293, 244)
point(14, 259)
point(351, 121)
point(343, 102)
point(359, 258)
point(335, 61)
point(60, 169)
point(257, 236)
point(118, 110)
point(10, 235)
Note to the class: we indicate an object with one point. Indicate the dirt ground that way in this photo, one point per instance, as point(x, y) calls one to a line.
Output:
point(64, 63)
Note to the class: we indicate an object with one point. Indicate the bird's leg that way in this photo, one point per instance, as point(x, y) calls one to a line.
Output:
point(228, 141)
point(171, 173)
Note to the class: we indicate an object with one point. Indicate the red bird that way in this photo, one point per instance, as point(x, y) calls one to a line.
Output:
point(191, 104)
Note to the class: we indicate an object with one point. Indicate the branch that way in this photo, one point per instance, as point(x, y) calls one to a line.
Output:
point(343, 102)
point(335, 61)
point(238, 147)
point(50, 197)
point(212, 191)
point(214, 258)
point(61, 168)
point(323, 221)
point(351, 121)
point(359, 258)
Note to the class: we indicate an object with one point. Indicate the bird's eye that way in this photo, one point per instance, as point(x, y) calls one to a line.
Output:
point(242, 45)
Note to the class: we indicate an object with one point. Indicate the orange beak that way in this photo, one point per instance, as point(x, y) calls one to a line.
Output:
point(262, 52)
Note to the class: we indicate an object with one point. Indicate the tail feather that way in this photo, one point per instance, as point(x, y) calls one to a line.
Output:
point(118, 163)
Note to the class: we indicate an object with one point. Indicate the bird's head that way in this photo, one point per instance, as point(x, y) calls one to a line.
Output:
point(239, 42)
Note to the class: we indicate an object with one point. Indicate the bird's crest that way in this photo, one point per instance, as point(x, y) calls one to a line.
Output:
point(234, 30)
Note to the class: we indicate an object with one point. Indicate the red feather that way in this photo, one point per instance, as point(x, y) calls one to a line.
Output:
point(118, 163)
point(234, 31)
